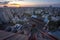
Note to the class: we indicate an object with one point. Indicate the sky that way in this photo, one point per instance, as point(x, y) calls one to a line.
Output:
point(35, 2)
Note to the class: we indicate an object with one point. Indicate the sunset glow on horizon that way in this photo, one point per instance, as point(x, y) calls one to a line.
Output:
point(29, 3)
point(19, 4)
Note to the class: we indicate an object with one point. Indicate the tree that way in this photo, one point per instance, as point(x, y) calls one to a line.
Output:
point(53, 25)
point(49, 17)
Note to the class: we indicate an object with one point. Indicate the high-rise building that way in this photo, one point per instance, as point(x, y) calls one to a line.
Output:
point(5, 15)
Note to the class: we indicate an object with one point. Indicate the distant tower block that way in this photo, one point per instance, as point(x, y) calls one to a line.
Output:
point(50, 6)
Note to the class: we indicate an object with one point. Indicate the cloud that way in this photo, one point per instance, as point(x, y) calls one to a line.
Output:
point(5, 2)
point(26, 3)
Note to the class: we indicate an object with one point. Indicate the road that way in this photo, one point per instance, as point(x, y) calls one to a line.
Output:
point(43, 32)
point(40, 34)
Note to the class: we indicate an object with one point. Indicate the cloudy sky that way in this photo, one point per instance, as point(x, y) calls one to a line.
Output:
point(35, 1)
